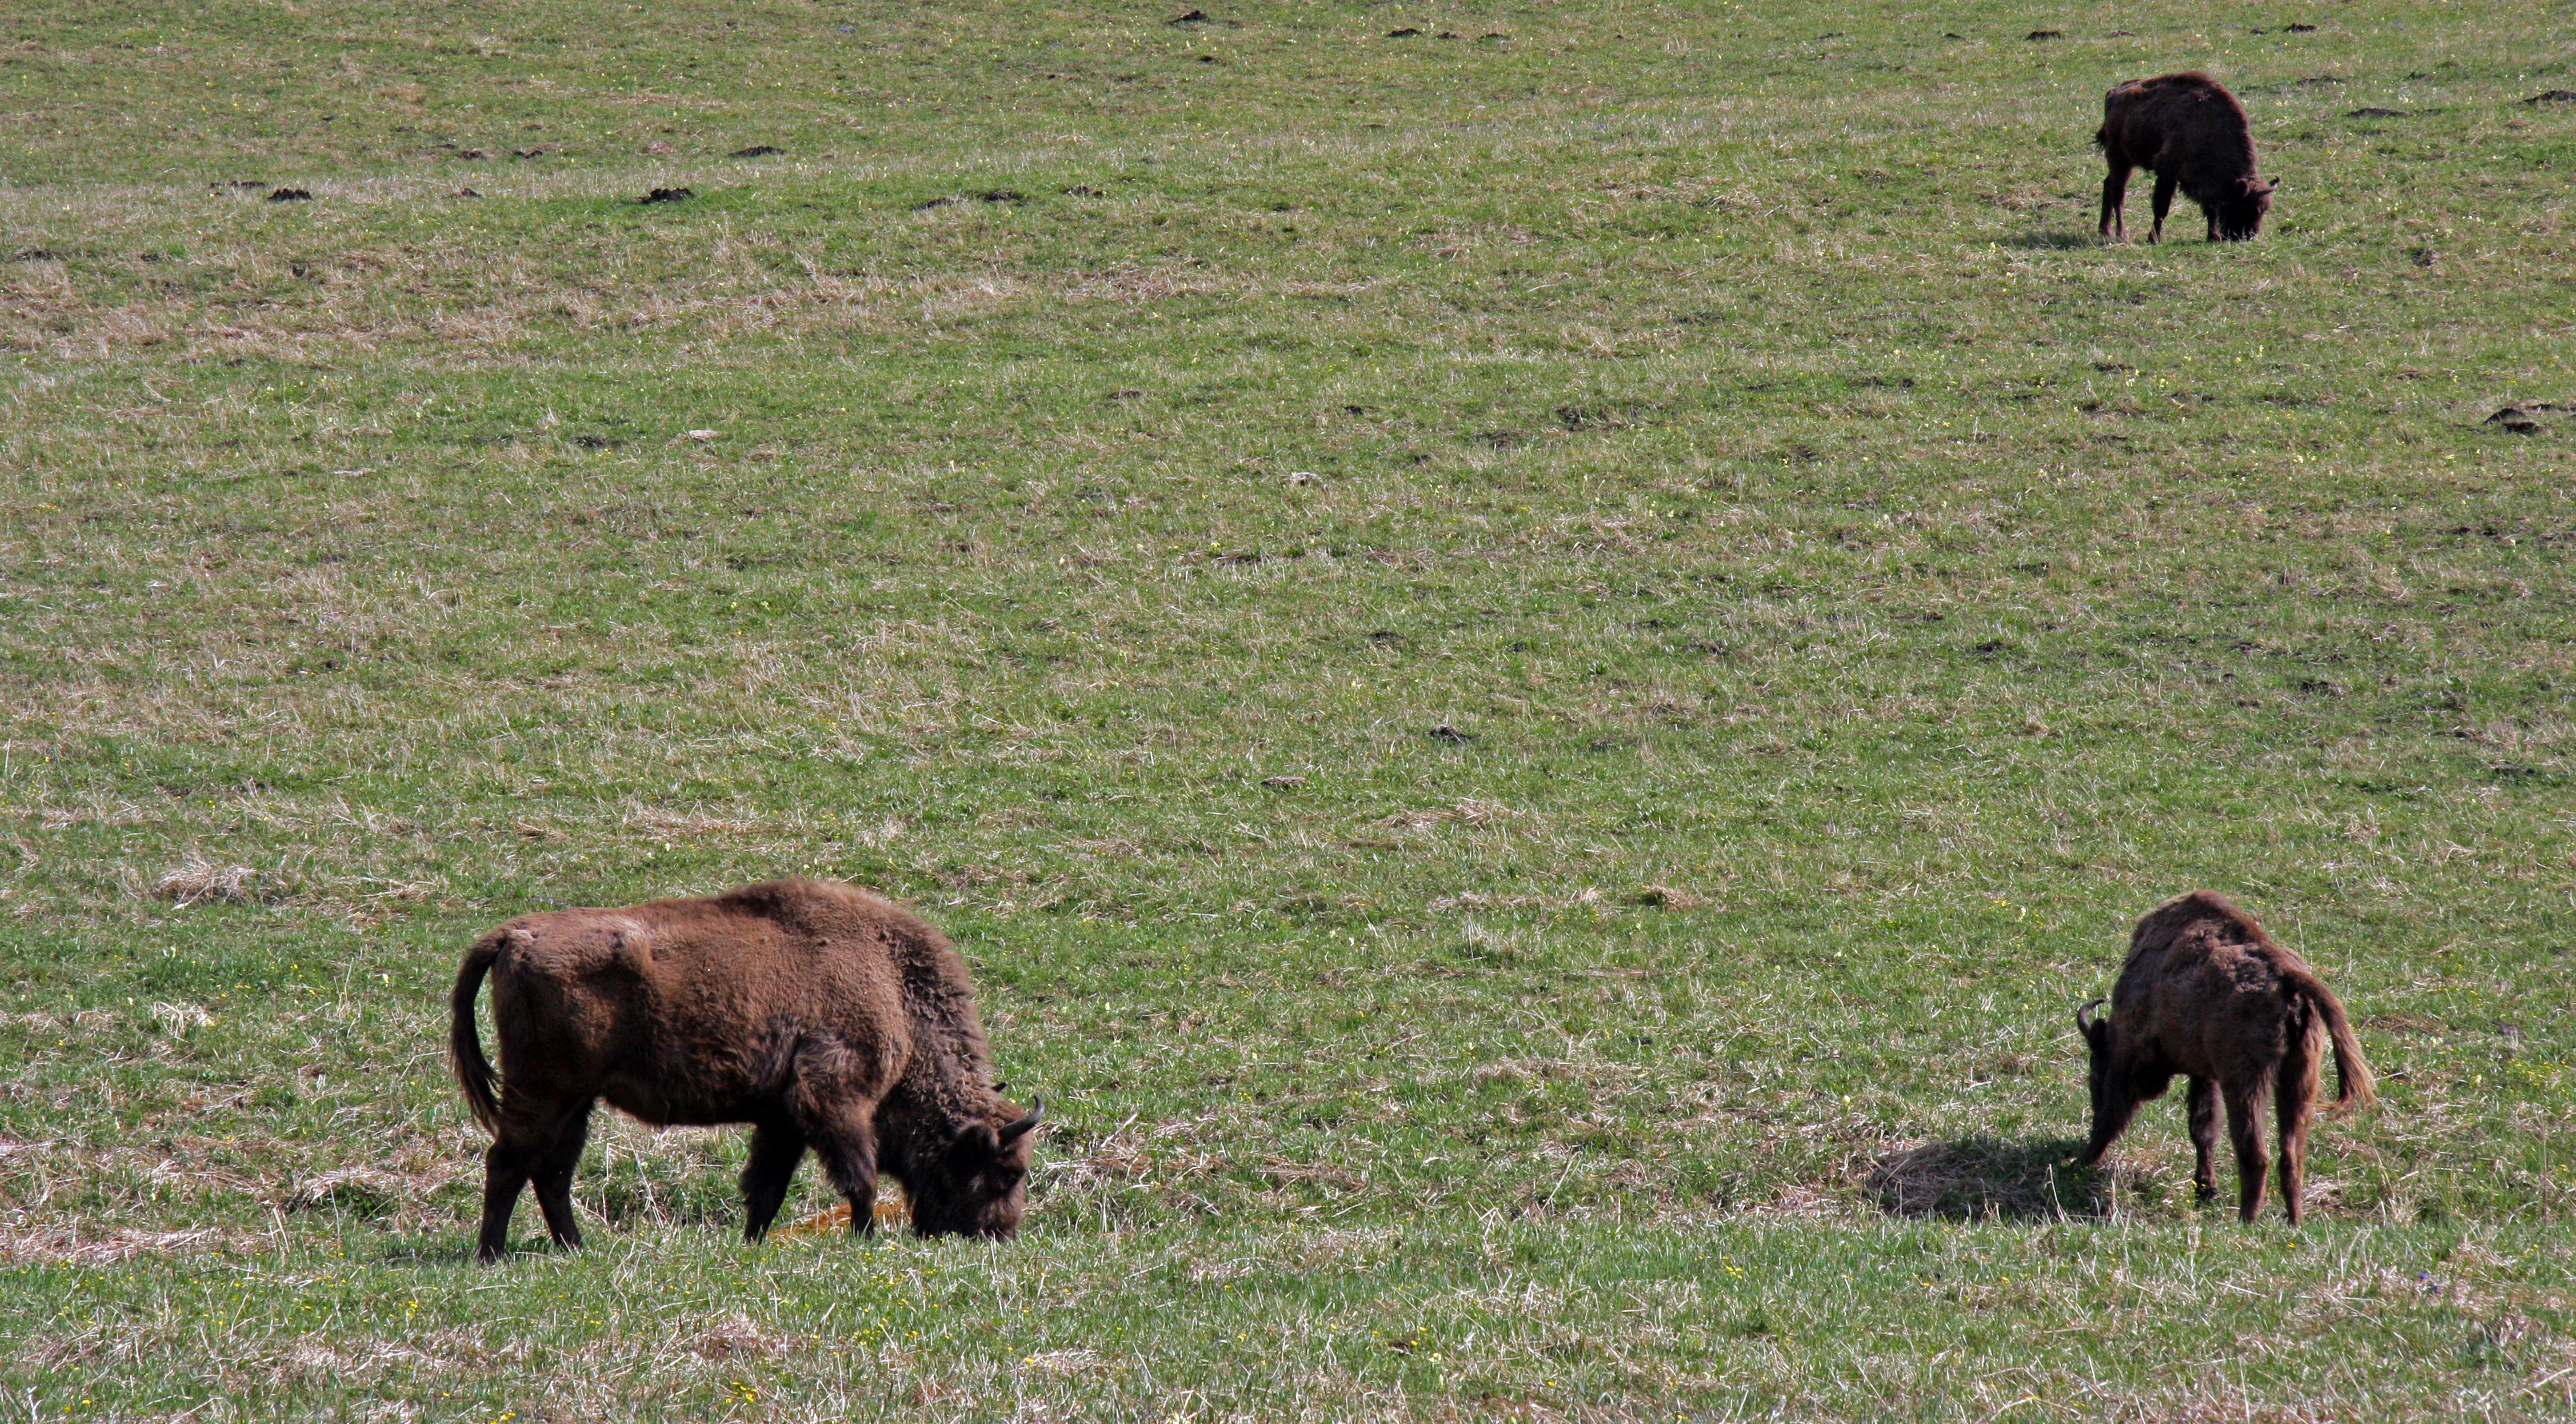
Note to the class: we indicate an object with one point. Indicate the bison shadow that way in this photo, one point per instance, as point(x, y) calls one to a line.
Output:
point(1989, 1179)
point(2058, 241)
point(405, 1249)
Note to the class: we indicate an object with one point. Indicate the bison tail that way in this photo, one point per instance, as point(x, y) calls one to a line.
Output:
point(2353, 1081)
point(464, 1048)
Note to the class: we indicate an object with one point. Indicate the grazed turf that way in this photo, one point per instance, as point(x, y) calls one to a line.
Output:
point(1535, 670)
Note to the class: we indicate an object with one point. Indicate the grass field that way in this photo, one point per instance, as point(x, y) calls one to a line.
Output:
point(1534, 667)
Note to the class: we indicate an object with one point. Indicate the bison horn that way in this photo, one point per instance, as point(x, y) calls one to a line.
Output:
point(1017, 1130)
point(2083, 1020)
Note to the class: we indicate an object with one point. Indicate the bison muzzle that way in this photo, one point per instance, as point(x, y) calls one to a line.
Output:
point(2206, 993)
point(821, 1014)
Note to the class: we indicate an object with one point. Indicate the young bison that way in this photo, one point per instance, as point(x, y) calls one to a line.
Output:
point(820, 1014)
point(2207, 994)
point(2192, 135)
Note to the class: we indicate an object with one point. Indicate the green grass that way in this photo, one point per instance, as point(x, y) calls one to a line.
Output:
point(1851, 594)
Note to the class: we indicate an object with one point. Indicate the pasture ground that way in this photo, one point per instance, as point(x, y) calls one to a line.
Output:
point(1536, 661)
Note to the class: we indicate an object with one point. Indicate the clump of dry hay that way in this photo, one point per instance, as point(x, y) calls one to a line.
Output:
point(197, 878)
point(1062, 1362)
point(832, 1220)
point(739, 1337)
point(362, 1190)
point(180, 1018)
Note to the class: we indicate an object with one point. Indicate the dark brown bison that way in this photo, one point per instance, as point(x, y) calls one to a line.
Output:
point(824, 1016)
point(2207, 994)
point(2191, 133)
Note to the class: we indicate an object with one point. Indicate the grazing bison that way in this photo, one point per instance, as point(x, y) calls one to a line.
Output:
point(2191, 134)
point(824, 1016)
point(2207, 994)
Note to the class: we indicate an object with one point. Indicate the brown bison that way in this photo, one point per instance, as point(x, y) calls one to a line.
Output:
point(2207, 994)
point(824, 1016)
point(2191, 133)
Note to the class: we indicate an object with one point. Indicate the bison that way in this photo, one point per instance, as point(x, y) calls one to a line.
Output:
point(2191, 133)
point(2206, 993)
point(821, 1014)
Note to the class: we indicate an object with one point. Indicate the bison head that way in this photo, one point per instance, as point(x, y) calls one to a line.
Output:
point(2241, 208)
point(977, 1185)
point(2097, 1038)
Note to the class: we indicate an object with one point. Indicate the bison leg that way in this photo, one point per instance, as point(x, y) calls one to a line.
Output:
point(538, 1139)
point(552, 1176)
point(2165, 186)
point(776, 1148)
point(2115, 202)
point(2245, 1126)
point(2202, 1104)
point(505, 1174)
point(2294, 1114)
point(2295, 1106)
point(848, 1149)
point(834, 1103)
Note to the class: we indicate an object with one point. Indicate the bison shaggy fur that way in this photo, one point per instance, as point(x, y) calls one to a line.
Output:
point(2206, 993)
point(2192, 134)
point(823, 1015)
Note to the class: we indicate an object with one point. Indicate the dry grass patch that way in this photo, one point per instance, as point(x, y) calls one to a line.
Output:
point(198, 878)
point(1473, 813)
point(21, 1247)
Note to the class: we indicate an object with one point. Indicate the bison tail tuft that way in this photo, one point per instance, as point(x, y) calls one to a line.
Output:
point(464, 1048)
point(2354, 1084)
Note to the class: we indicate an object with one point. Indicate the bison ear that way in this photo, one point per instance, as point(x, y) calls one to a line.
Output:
point(980, 1141)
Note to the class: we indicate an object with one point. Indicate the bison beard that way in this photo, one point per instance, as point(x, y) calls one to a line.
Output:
point(2192, 134)
point(2206, 993)
point(824, 1016)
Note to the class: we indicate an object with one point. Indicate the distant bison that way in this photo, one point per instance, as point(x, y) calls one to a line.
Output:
point(2206, 993)
point(821, 1014)
point(2191, 133)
